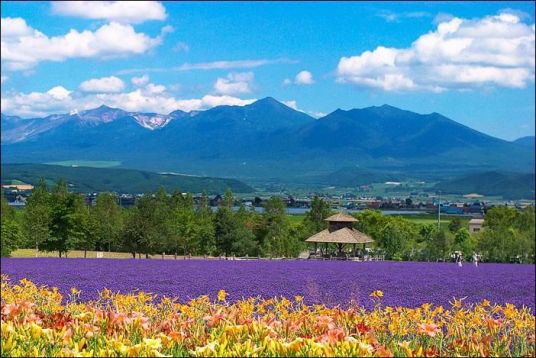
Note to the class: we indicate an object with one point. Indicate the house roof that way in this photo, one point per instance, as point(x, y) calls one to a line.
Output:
point(341, 218)
point(341, 236)
point(476, 221)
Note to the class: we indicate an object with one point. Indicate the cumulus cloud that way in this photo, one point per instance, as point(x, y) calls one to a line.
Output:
point(234, 83)
point(103, 85)
point(459, 54)
point(140, 81)
point(302, 78)
point(133, 12)
point(23, 47)
point(149, 98)
point(34, 104)
point(3, 79)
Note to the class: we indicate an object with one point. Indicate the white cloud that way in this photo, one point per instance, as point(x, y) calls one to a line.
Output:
point(459, 54)
point(59, 93)
point(103, 85)
point(151, 98)
point(181, 47)
point(234, 83)
point(34, 104)
point(391, 16)
point(304, 78)
point(215, 65)
point(120, 11)
point(292, 104)
point(140, 81)
point(317, 114)
point(3, 78)
point(24, 47)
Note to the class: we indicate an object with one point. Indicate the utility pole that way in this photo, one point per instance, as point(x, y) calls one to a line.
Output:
point(439, 211)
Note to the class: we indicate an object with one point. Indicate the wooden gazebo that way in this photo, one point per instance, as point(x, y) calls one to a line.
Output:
point(341, 232)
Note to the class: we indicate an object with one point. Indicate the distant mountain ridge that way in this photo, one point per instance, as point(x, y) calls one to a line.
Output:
point(262, 139)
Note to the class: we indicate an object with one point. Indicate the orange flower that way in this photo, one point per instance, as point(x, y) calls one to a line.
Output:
point(333, 336)
point(428, 328)
point(67, 335)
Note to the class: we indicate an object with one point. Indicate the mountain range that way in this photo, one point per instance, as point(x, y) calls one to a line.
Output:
point(265, 139)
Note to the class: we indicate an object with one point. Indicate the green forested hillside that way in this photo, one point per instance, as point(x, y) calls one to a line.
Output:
point(86, 179)
point(507, 185)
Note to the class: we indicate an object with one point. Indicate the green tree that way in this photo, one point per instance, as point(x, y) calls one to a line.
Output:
point(314, 220)
point(36, 221)
point(205, 227)
point(108, 221)
point(278, 238)
point(67, 220)
point(224, 230)
point(463, 243)
point(184, 227)
point(455, 225)
point(11, 236)
point(11, 233)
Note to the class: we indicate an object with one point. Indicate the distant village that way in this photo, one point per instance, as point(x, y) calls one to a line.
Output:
point(473, 205)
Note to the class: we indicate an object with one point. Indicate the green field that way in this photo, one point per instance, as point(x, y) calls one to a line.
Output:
point(87, 163)
point(295, 220)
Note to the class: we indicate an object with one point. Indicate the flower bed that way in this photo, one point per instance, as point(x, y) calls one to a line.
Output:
point(39, 321)
point(407, 284)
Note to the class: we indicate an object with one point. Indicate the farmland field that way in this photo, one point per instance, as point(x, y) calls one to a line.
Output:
point(325, 282)
point(88, 163)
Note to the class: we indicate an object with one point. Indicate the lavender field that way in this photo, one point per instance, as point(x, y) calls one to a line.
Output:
point(406, 283)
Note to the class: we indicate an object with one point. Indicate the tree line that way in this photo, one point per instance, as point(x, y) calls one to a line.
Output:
point(55, 219)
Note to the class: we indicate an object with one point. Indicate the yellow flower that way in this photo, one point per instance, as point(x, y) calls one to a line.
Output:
point(298, 298)
point(36, 330)
point(377, 293)
point(152, 343)
point(74, 291)
point(222, 295)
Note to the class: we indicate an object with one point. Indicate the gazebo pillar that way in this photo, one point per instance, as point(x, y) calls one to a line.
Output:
point(316, 245)
point(355, 248)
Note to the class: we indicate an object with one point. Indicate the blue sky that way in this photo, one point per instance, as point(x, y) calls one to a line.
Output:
point(473, 62)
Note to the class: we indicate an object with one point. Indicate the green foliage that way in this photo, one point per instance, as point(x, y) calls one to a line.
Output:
point(204, 221)
point(11, 235)
point(314, 220)
point(107, 221)
point(68, 221)
point(58, 220)
point(508, 235)
point(37, 216)
point(455, 225)
point(463, 243)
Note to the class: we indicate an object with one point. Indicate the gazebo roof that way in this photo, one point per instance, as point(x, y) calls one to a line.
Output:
point(341, 236)
point(340, 217)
